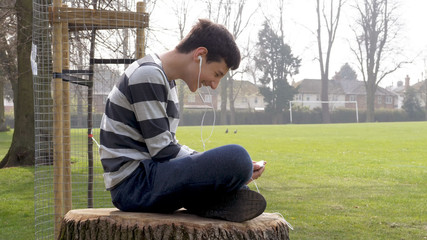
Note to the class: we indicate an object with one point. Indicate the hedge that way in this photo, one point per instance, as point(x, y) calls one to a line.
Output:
point(299, 116)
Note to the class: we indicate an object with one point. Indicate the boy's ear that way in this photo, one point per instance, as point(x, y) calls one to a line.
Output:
point(200, 51)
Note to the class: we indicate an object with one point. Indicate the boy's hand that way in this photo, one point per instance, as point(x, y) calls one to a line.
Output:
point(259, 168)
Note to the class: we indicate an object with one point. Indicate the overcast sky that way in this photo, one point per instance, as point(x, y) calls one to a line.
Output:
point(300, 23)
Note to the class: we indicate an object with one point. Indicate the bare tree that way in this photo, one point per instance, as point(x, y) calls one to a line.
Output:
point(231, 14)
point(214, 11)
point(181, 9)
point(326, 17)
point(376, 28)
point(21, 151)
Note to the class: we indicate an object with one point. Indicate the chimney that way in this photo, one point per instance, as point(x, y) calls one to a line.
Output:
point(407, 82)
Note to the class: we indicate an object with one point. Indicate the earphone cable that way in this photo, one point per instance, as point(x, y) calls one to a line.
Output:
point(204, 114)
point(203, 120)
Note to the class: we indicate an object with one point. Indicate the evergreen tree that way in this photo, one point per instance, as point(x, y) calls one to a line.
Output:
point(411, 104)
point(346, 73)
point(276, 61)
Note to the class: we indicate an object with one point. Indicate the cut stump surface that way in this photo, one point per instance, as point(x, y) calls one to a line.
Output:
point(111, 223)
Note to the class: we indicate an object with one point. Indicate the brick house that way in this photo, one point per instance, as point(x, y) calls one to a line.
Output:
point(247, 97)
point(343, 90)
point(194, 100)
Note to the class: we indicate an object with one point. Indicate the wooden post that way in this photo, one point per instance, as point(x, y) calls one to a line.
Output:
point(140, 33)
point(89, 119)
point(58, 165)
point(66, 120)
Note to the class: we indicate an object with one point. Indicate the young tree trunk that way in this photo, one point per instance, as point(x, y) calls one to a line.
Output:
point(90, 118)
point(21, 151)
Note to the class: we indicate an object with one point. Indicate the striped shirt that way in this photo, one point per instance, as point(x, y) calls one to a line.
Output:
point(140, 121)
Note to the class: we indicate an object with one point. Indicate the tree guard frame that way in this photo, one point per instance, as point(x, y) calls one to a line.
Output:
point(63, 20)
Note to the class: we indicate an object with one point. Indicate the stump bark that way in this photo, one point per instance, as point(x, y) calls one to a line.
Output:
point(110, 223)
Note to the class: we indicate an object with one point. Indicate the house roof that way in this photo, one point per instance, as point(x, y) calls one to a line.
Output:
point(398, 89)
point(207, 90)
point(314, 86)
point(353, 87)
point(420, 85)
point(346, 87)
point(246, 88)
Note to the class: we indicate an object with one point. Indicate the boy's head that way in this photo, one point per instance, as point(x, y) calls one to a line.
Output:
point(216, 39)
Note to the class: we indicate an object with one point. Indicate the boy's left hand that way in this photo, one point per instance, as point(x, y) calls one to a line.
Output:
point(258, 169)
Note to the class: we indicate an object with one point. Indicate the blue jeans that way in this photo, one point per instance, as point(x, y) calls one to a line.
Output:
point(168, 186)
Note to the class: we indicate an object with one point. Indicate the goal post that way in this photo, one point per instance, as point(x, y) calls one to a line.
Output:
point(320, 102)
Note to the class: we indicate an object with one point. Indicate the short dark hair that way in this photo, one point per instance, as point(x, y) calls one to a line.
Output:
point(216, 39)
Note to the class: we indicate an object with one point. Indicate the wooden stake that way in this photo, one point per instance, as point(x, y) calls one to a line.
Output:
point(140, 33)
point(58, 165)
point(67, 120)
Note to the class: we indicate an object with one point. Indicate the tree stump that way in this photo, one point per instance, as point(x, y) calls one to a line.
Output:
point(110, 223)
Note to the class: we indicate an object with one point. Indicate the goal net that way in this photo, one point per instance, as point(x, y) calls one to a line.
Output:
point(333, 106)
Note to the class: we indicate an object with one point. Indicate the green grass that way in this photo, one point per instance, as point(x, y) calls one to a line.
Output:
point(338, 181)
point(5, 140)
point(16, 197)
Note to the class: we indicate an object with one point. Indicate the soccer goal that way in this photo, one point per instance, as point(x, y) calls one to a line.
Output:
point(332, 105)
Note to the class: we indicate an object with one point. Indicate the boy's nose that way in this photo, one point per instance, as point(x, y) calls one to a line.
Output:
point(213, 85)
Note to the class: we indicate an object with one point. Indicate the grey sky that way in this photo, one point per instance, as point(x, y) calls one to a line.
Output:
point(300, 22)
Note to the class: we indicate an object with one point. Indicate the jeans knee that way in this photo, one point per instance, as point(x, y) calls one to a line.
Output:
point(242, 162)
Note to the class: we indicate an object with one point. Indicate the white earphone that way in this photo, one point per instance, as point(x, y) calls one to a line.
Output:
point(200, 70)
point(204, 101)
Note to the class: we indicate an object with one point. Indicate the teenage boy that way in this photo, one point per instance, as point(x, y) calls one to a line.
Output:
point(146, 169)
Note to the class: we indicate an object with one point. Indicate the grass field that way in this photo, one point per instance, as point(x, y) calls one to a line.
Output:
point(338, 181)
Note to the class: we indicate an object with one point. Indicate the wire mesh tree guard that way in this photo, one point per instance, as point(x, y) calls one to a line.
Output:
point(79, 50)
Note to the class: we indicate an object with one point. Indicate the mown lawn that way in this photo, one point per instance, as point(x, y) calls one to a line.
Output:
point(338, 181)
point(16, 197)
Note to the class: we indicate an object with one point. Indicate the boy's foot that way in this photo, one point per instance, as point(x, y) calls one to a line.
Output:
point(238, 206)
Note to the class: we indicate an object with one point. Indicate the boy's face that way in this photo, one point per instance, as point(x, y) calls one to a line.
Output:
point(211, 74)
